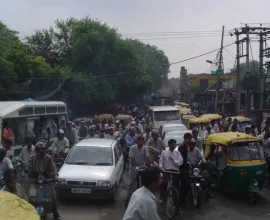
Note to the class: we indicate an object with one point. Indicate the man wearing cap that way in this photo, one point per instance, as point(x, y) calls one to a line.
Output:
point(71, 134)
point(61, 144)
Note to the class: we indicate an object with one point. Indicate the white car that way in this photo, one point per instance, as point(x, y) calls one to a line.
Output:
point(92, 169)
point(177, 135)
point(172, 127)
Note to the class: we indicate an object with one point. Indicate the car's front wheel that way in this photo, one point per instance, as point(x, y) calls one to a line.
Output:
point(113, 197)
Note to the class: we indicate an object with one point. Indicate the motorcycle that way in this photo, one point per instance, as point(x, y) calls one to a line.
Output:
point(58, 158)
point(41, 194)
point(195, 186)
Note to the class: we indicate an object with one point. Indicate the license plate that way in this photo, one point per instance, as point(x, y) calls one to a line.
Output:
point(80, 190)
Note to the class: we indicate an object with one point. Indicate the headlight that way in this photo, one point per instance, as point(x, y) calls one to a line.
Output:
point(104, 183)
point(196, 172)
point(40, 179)
point(61, 181)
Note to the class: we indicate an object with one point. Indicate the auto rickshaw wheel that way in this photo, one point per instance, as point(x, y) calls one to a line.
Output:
point(253, 198)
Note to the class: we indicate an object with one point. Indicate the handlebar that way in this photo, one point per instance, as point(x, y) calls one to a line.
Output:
point(139, 169)
point(170, 171)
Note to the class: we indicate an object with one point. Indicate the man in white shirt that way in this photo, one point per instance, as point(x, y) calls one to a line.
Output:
point(170, 160)
point(201, 131)
point(5, 163)
point(61, 143)
point(27, 151)
point(142, 205)
point(208, 132)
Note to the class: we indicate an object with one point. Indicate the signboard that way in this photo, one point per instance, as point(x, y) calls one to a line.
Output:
point(215, 72)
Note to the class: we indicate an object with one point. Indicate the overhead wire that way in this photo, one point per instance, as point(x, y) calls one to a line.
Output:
point(169, 38)
point(191, 58)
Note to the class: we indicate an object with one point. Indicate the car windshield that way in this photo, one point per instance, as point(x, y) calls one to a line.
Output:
point(246, 151)
point(179, 137)
point(174, 128)
point(90, 155)
point(166, 115)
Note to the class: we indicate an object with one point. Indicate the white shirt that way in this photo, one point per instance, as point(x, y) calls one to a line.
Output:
point(142, 206)
point(201, 132)
point(25, 154)
point(4, 165)
point(206, 134)
point(166, 164)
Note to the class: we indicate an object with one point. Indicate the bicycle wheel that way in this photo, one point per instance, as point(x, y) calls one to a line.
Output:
point(172, 203)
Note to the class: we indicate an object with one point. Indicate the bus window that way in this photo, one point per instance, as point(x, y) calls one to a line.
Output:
point(26, 111)
point(51, 110)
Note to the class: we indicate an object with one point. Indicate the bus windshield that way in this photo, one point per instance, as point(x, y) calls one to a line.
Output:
point(246, 151)
point(166, 115)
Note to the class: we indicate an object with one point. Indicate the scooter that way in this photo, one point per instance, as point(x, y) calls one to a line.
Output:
point(195, 187)
point(41, 194)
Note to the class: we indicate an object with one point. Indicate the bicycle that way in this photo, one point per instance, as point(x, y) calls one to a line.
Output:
point(172, 197)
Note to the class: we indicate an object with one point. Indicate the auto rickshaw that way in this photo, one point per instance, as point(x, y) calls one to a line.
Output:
point(125, 118)
point(236, 163)
point(103, 117)
point(211, 116)
point(193, 121)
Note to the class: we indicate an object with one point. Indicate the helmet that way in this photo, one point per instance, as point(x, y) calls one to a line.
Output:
point(133, 123)
point(61, 131)
point(2, 154)
point(154, 132)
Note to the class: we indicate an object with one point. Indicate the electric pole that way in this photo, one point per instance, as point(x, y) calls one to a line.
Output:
point(261, 73)
point(220, 69)
point(238, 96)
point(247, 69)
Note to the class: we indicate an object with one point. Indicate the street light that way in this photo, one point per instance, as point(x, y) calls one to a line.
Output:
point(209, 61)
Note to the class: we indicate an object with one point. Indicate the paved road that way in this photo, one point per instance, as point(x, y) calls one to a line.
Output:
point(222, 207)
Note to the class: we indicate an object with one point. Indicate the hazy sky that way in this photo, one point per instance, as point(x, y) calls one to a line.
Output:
point(151, 16)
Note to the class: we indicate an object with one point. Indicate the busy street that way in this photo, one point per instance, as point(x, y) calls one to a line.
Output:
point(134, 110)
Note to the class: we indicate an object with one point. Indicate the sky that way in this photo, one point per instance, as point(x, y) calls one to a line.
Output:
point(182, 29)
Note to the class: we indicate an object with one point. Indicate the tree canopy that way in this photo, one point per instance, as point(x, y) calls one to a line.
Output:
point(86, 59)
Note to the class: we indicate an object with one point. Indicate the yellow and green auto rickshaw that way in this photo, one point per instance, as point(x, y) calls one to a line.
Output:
point(194, 121)
point(103, 117)
point(236, 162)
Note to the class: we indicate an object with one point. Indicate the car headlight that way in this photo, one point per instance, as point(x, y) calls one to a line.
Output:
point(104, 183)
point(61, 182)
point(196, 172)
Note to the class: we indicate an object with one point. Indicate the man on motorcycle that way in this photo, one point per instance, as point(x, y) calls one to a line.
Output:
point(110, 134)
point(92, 132)
point(5, 163)
point(42, 163)
point(61, 144)
point(194, 154)
point(83, 130)
point(71, 134)
point(156, 141)
point(131, 137)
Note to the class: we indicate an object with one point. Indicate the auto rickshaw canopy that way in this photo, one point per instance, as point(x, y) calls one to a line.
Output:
point(125, 118)
point(211, 116)
point(239, 119)
point(225, 138)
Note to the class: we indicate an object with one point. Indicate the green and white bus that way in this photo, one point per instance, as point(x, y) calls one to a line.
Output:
point(29, 118)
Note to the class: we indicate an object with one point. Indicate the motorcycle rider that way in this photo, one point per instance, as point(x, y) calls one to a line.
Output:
point(42, 163)
point(110, 134)
point(61, 144)
point(71, 134)
point(194, 153)
point(131, 137)
point(156, 141)
point(83, 130)
point(92, 132)
point(5, 163)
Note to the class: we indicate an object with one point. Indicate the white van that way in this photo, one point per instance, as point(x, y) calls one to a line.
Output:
point(164, 114)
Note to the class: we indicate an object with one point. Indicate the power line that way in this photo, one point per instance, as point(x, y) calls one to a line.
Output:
point(168, 38)
point(171, 32)
point(212, 51)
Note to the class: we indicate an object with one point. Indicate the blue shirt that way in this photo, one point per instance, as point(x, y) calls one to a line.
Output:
point(131, 140)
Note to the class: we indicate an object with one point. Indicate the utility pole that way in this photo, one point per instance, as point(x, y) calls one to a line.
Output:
point(247, 69)
point(262, 80)
point(238, 96)
point(220, 66)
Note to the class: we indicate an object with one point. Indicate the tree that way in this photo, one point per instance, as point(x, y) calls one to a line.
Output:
point(17, 64)
point(154, 62)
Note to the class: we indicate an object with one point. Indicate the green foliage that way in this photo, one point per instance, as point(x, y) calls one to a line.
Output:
point(96, 63)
